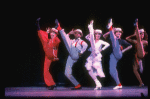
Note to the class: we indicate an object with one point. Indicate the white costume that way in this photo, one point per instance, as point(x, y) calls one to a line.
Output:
point(94, 60)
point(74, 47)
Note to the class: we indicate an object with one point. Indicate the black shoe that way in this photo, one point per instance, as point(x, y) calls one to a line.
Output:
point(56, 23)
point(38, 24)
point(51, 87)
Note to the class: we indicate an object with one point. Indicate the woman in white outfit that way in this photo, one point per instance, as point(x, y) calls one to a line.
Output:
point(94, 60)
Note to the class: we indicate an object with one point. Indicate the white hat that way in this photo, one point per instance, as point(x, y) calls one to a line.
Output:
point(118, 29)
point(54, 30)
point(141, 30)
point(98, 31)
point(78, 30)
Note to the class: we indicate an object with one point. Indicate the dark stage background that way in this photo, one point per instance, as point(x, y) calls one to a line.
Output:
point(25, 64)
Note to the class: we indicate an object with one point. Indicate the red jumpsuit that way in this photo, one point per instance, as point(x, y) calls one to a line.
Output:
point(50, 47)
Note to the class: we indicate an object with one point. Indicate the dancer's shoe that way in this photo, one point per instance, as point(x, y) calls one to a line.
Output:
point(51, 87)
point(109, 26)
point(119, 86)
point(97, 88)
point(141, 85)
point(77, 87)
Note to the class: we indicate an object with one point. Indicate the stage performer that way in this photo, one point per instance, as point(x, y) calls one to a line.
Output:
point(50, 43)
point(117, 46)
point(94, 60)
point(76, 48)
point(140, 43)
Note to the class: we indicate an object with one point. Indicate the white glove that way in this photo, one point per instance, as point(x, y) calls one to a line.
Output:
point(48, 30)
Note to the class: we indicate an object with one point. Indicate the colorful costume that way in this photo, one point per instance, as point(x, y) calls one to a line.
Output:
point(50, 47)
point(94, 61)
point(117, 46)
point(74, 47)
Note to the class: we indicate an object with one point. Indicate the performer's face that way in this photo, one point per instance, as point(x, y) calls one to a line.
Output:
point(52, 34)
point(142, 35)
point(77, 35)
point(118, 34)
point(97, 36)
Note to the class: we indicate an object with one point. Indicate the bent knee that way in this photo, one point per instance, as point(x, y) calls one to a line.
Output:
point(67, 74)
point(88, 66)
point(97, 65)
point(141, 55)
point(135, 69)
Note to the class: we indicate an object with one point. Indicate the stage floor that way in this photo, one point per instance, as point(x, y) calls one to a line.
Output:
point(106, 92)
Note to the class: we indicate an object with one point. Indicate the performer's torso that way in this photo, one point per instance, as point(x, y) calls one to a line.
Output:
point(51, 48)
point(76, 44)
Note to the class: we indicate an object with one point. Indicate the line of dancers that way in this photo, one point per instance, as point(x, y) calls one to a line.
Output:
point(76, 47)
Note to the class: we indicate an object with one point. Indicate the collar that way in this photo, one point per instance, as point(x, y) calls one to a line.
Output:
point(119, 38)
point(77, 39)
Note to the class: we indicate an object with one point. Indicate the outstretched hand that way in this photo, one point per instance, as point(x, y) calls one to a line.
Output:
point(48, 29)
point(71, 32)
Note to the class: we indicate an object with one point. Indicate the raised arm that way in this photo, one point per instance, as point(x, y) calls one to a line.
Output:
point(106, 35)
point(87, 37)
point(131, 40)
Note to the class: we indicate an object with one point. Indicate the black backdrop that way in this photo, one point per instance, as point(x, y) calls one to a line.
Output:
point(24, 64)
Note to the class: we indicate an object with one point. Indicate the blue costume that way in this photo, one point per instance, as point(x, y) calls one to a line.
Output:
point(116, 55)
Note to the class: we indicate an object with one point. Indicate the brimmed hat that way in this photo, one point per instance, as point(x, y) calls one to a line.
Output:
point(78, 30)
point(118, 29)
point(142, 30)
point(98, 31)
point(54, 30)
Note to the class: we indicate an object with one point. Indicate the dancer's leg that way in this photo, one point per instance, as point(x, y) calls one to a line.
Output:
point(93, 76)
point(88, 66)
point(112, 68)
point(140, 48)
point(135, 70)
point(73, 52)
point(66, 40)
point(43, 37)
point(64, 36)
point(141, 66)
point(98, 66)
point(116, 47)
point(47, 76)
point(68, 71)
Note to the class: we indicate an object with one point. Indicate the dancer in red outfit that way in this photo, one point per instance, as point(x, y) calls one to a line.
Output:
point(50, 43)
